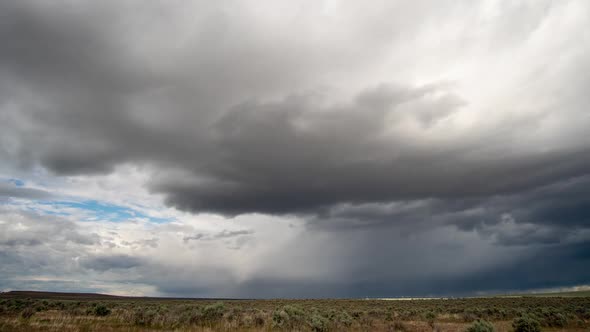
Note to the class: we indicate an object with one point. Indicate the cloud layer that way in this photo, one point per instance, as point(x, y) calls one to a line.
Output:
point(316, 148)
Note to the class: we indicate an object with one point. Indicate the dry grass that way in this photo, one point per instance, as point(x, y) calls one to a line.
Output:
point(128, 314)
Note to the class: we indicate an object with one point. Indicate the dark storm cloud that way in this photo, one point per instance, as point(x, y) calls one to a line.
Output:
point(20, 242)
point(557, 265)
point(292, 155)
point(289, 157)
point(225, 234)
point(549, 214)
point(398, 266)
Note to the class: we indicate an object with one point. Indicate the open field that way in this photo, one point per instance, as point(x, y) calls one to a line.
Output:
point(30, 311)
point(562, 294)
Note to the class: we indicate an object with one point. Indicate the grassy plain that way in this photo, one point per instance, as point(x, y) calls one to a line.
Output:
point(560, 294)
point(30, 311)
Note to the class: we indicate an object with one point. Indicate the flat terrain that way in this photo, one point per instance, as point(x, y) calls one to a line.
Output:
point(562, 294)
point(42, 311)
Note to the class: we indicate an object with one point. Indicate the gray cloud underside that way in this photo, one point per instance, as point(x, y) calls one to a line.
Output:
point(225, 234)
point(78, 98)
point(8, 190)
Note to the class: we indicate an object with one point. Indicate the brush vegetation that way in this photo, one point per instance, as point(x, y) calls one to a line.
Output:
point(88, 313)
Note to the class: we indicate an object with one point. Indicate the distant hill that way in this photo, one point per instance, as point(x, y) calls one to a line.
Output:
point(91, 296)
point(57, 295)
point(98, 297)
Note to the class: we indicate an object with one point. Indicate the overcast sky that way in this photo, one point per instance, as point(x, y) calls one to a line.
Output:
point(313, 148)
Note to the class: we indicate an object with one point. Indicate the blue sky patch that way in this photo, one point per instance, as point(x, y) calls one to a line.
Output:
point(16, 182)
point(97, 211)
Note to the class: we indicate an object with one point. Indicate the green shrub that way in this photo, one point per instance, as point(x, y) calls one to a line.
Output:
point(344, 319)
point(318, 323)
point(101, 310)
point(144, 317)
point(469, 316)
point(430, 316)
point(213, 312)
point(480, 326)
point(258, 320)
point(190, 317)
point(556, 320)
point(233, 315)
point(288, 317)
point(526, 324)
point(27, 313)
point(357, 314)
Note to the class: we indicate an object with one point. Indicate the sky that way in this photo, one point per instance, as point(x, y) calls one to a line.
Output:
point(294, 149)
